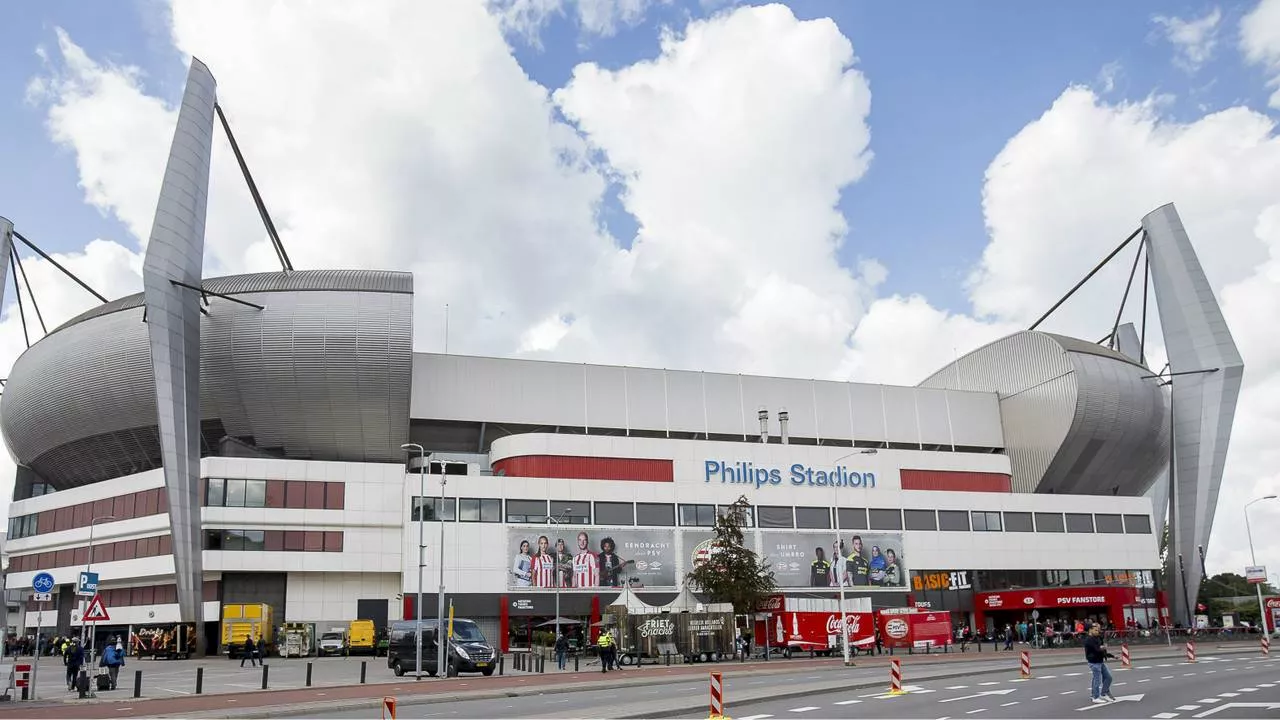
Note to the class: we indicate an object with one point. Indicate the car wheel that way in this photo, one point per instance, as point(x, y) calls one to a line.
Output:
point(488, 671)
point(397, 668)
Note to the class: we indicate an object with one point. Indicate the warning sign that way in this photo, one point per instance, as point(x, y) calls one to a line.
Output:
point(96, 612)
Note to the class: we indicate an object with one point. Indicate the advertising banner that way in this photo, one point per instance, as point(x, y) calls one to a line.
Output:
point(1256, 574)
point(550, 556)
point(813, 559)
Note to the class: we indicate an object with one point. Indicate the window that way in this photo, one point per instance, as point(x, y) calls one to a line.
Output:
point(698, 515)
point(852, 518)
point(233, 540)
point(480, 510)
point(659, 514)
point(255, 540)
point(812, 517)
point(276, 493)
point(749, 514)
point(1137, 524)
point(614, 513)
point(1109, 523)
point(881, 519)
point(1018, 522)
point(235, 493)
point(255, 494)
point(437, 509)
point(985, 521)
point(251, 540)
point(315, 496)
point(333, 541)
point(770, 516)
point(1049, 522)
point(212, 539)
point(335, 496)
point(295, 494)
point(953, 520)
point(920, 519)
point(1079, 523)
point(529, 512)
point(568, 512)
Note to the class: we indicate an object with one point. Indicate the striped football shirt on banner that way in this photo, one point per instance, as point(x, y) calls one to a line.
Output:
point(586, 570)
point(544, 571)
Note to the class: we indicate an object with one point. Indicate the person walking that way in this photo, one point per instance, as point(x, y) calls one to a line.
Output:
point(113, 660)
point(562, 650)
point(73, 657)
point(249, 652)
point(1095, 653)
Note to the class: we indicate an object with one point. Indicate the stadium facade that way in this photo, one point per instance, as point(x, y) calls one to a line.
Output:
point(240, 439)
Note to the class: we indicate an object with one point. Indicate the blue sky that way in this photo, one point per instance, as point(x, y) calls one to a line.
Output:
point(951, 83)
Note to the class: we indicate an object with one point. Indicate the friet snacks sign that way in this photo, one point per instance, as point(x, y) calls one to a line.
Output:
point(798, 475)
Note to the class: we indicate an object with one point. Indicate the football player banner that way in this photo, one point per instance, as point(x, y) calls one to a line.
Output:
point(815, 559)
point(567, 557)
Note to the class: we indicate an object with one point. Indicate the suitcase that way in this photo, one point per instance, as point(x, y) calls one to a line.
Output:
point(104, 682)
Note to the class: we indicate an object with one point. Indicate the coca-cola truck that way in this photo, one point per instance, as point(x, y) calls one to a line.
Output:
point(915, 629)
point(812, 625)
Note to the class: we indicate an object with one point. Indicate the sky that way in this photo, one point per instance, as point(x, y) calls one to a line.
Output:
point(834, 189)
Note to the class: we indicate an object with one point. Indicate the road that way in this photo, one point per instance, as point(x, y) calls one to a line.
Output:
point(1216, 687)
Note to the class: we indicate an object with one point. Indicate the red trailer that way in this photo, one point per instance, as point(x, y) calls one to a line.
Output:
point(913, 628)
point(795, 625)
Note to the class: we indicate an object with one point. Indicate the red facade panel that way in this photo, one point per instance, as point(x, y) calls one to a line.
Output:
point(955, 481)
point(587, 468)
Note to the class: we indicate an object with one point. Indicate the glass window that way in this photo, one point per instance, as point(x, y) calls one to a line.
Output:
point(884, 519)
point(698, 515)
point(491, 510)
point(1079, 523)
point(569, 512)
point(813, 517)
point(1049, 522)
point(1137, 524)
point(986, 521)
point(852, 518)
point(920, 519)
point(235, 493)
point(1018, 522)
point(953, 520)
point(437, 509)
point(295, 494)
point(615, 513)
point(333, 541)
point(255, 540)
point(658, 514)
point(335, 495)
point(212, 539)
point(215, 494)
point(527, 512)
point(255, 493)
point(469, 509)
point(749, 515)
point(1108, 523)
point(770, 516)
point(233, 540)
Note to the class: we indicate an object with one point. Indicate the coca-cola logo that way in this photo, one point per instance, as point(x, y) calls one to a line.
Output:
point(896, 628)
point(773, 603)
point(657, 627)
point(833, 624)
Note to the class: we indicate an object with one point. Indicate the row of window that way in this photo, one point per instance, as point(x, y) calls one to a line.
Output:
point(143, 503)
point(286, 494)
point(1020, 579)
point(227, 539)
point(143, 596)
point(611, 514)
point(102, 552)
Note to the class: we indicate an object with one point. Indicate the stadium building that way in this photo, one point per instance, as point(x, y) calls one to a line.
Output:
point(243, 440)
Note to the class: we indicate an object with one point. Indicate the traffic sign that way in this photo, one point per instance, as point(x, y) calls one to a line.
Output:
point(1035, 614)
point(42, 597)
point(42, 582)
point(96, 612)
point(88, 584)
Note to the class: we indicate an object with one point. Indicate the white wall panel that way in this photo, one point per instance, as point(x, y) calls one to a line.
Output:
point(647, 398)
point(606, 396)
point(931, 410)
point(725, 409)
point(832, 404)
point(900, 412)
point(868, 412)
point(684, 401)
point(975, 419)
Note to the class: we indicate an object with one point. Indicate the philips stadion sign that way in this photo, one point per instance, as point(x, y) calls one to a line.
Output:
point(799, 474)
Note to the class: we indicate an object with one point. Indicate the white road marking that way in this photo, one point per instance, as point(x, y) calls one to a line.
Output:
point(1187, 674)
point(811, 677)
point(1118, 684)
point(843, 702)
point(1187, 707)
point(1072, 674)
point(1048, 677)
point(1145, 680)
point(1209, 701)
point(1228, 694)
point(1166, 677)
point(178, 692)
point(1248, 690)
point(1042, 697)
point(1015, 702)
point(1267, 685)
point(1165, 665)
point(972, 712)
point(1066, 692)
point(1143, 667)
point(988, 683)
point(807, 708)
point(756, 717)
point(1210, 672)
point(1164, 716)
point(557, 702)
point(957, 687)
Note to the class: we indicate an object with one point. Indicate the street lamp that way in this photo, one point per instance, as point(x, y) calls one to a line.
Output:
point(1262, 610)
point(557, 520)
point(844, 631)
point(88, 565)
point(422, 547)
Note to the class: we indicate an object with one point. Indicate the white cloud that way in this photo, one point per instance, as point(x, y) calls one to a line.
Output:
point(1193, 40)
point(595, 18)
point(1260, 41)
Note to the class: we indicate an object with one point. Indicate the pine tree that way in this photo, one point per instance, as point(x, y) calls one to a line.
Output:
point(733, 573)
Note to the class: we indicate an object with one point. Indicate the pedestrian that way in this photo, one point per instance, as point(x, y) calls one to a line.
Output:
point(249, 651)
point(1095, 653)
point(1008, 636)
point(604, 643)
point(562, 650)
point(113, 659)
point(73, 657)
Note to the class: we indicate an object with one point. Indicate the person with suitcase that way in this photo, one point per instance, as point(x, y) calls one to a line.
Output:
point(113, 660)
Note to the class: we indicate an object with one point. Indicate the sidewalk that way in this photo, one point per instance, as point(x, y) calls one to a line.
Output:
point(302, 701)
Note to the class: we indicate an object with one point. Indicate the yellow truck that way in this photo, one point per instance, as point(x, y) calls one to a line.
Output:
point(243, 620)
point(362, 638)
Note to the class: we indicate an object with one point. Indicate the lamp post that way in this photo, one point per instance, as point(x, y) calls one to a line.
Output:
point(557, 520)
point(422, 546)
point(88, 565)
point(442, 640)
point(844, 630)
point(1262, 610)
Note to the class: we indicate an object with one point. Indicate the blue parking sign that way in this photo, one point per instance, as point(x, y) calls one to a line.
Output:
point(88, 584)
point(42, 582)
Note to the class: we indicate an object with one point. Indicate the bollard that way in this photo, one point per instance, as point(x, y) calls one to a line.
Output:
point(515, 660)
point(364, 664)
point(542, 663)
point(501, 662)
point(265, 670)
point(668, 659)
point(1266, 646)
point(308, 674)
point(199, 681)
point(1191, 652)
point(895, 677)
point(25, 690)
point(1124, 656)
point(1026, 664)
point(575, 662)
point(717, 697)
point(137, 683)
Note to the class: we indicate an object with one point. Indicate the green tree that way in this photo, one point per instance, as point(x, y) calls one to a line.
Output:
point(732, 572)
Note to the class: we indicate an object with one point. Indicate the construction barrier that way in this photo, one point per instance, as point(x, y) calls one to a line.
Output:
point(1191, 652)
point(1266, 646)
point(895, 677)
point(1026, 663)
point(388, 708)
point(717, 697)
point(1124, 656)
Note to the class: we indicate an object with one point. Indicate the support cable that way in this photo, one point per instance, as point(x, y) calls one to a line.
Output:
point(17, 261)
point(58, 265)
point(22, 313)
point(1125, 299)
point(253, 190)
point(1092, 272)
point(1142, 341)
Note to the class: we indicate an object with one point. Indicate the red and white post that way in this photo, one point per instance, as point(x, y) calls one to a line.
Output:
point(895, 677)
point(717, 697)
point(1124, 656)
point(1026, 663)
point(1266, 646)
point(1191, 652)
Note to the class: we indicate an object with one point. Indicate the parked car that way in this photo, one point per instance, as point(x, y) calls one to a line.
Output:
point(468, 650)
point(332, 643)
